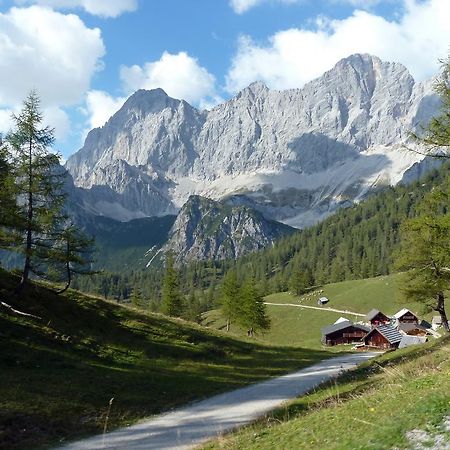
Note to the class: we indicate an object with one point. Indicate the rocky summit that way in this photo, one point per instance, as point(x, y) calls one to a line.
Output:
point(295, 155)
point(206, 229)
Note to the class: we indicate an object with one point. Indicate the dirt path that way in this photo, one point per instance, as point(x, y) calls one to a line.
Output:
point(186, 427)
point(317, 307)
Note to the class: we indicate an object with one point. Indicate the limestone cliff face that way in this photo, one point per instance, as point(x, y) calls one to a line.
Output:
point(295, 155)
point(206, 229)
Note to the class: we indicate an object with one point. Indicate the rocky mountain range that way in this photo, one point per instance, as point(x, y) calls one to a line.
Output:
point(294, 155)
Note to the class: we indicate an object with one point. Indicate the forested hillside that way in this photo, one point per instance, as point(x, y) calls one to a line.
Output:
point(356, 242)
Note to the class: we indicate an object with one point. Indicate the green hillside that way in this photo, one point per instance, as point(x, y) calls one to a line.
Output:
point(59, 372)
point(376, 406)
point(295, 326)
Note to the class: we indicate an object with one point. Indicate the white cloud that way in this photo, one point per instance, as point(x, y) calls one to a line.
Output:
point(293, 57)
point(102, 8)
point(55, 54)
point(242, 6)
point(58, 119)
point(101, 106)
point(180, 75)
point(6, 122)
point(51, 52)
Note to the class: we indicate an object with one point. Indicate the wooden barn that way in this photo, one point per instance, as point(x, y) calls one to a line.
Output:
point(344, 332)
point(376, 317)
point(383, 336)
point(406, 316)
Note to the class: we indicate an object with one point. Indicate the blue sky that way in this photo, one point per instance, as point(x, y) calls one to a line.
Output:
point(85, 57)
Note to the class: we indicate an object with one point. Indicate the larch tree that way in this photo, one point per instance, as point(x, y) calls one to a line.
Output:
point(425, 253)
point(71, 254)
point(253, 315)
point(172, 301)
point(231, 301)
point(39, 186)
point(435, 137)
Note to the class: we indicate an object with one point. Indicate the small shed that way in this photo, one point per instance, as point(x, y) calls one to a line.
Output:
point(322, 301)
point(412, 329)
point(383, 336)
point(376, 317)
point(406, 316)
point(436, 322)
point(345, 332)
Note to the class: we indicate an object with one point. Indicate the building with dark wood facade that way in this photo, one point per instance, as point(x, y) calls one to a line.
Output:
point(383, 336)
point(376, 317)
point(406, 316)
point(345, 332)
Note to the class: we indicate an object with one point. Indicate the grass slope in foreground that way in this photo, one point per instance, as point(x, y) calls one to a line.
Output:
point(59, 373)
point(301, 327)
point(376, 406)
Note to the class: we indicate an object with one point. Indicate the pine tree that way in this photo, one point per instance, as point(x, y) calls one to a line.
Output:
point(425, 254)
point(172, 302)
point(39, 183)
point(230, 297)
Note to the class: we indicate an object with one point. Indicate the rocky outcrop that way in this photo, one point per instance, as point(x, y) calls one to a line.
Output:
point(206, 229)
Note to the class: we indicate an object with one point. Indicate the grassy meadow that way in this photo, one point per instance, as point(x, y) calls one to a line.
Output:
point(60, 372)
point(301, 327)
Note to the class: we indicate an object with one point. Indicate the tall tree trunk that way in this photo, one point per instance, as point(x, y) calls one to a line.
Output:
point(69, 272)
point(29, 242)
point(440, 308)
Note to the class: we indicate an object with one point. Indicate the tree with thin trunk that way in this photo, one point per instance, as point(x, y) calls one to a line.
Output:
point(39, 186)
point(425, 253)
point(172, 301)
point(253, 315)
point(231, 297)
point(71, 255)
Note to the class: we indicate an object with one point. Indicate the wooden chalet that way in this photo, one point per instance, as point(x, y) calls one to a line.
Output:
point(344, 332)
point(376, 317)
point(383, 336)
point(406, 316)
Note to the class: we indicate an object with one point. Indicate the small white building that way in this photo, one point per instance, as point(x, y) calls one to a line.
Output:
point(322, 301)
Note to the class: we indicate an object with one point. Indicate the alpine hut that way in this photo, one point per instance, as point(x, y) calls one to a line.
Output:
point(345, 332)
point(406, 316)
point(383, 336)
point(376, 317)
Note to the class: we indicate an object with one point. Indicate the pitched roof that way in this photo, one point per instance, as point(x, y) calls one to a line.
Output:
point(372, 313)
point(341, 326)
point(389, 332)
point(341, 319)
point(402, 312)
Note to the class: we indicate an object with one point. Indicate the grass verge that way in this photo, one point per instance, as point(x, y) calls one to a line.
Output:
point(372, 407)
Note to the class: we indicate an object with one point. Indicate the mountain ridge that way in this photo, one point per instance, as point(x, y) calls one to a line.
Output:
point(296, 155)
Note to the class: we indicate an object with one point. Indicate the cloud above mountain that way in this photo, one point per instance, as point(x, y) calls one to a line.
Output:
point(292, 57)
point(102, 8)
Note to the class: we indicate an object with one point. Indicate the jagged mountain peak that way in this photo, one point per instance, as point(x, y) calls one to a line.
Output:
point(295, 155)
